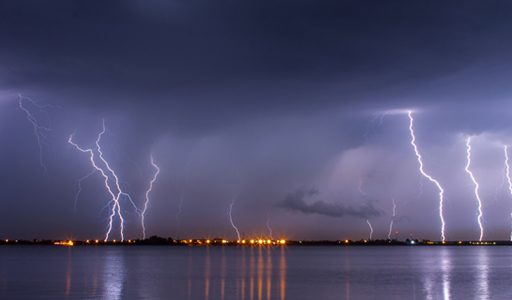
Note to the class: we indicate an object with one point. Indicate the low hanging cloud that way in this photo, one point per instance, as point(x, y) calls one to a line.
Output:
point(297, 202)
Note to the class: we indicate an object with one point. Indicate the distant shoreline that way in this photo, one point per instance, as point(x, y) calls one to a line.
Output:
point(158, 241)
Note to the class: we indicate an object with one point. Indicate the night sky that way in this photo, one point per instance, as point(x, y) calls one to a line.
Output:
point(292, 108)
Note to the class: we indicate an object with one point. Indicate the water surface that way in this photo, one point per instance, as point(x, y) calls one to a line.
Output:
point(154, 272)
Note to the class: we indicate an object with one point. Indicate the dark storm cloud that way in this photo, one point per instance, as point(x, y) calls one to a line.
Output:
point(256, 56)
point(297, 202)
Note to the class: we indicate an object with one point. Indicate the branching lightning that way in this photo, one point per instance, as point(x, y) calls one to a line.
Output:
point(79, 185)
point(114, 195)
point(148, 191)
point(371, 229)
point(477, 187)
point(507, 174)
point(116, 207)
point(102, 172)
point(392, 220)
point(426, 175)
point(39, 130)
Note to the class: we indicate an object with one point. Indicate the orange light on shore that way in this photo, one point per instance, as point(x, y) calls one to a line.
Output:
point(252, 241)
point(282, 242)
point(65, 243)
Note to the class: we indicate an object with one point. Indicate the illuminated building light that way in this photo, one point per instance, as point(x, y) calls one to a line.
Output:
point(282, 242)
point(64, 243)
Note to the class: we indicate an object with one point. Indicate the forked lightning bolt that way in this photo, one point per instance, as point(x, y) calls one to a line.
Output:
point(371, 229)
point(95, 166)
point(148, 191)
point(116, 207)
point(426, 175)
point(507, 174)
point(114, 195)
point(392, 220)
point(477, 187)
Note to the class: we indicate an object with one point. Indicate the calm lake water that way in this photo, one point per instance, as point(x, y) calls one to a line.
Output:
point(39, 272)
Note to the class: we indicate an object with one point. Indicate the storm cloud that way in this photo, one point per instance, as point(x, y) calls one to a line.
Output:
point(290, 94)
point(298, 201)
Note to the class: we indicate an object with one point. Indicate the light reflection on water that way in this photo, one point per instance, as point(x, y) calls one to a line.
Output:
point(483, 275)
point(113, 276)
point(255, 273)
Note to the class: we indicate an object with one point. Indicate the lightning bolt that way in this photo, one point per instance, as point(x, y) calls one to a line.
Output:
point(39, 131)
point(507, 174)
point(231, 218)
point(426, 175)
point(79, 184)
point(114, 195)
point(182, 195)
point(116, 207)
point(90, 151)
point(392, 220)
point(269, 228)
point(360, 187)
point(477, 187)
point(148, 191)
point(371, 229)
